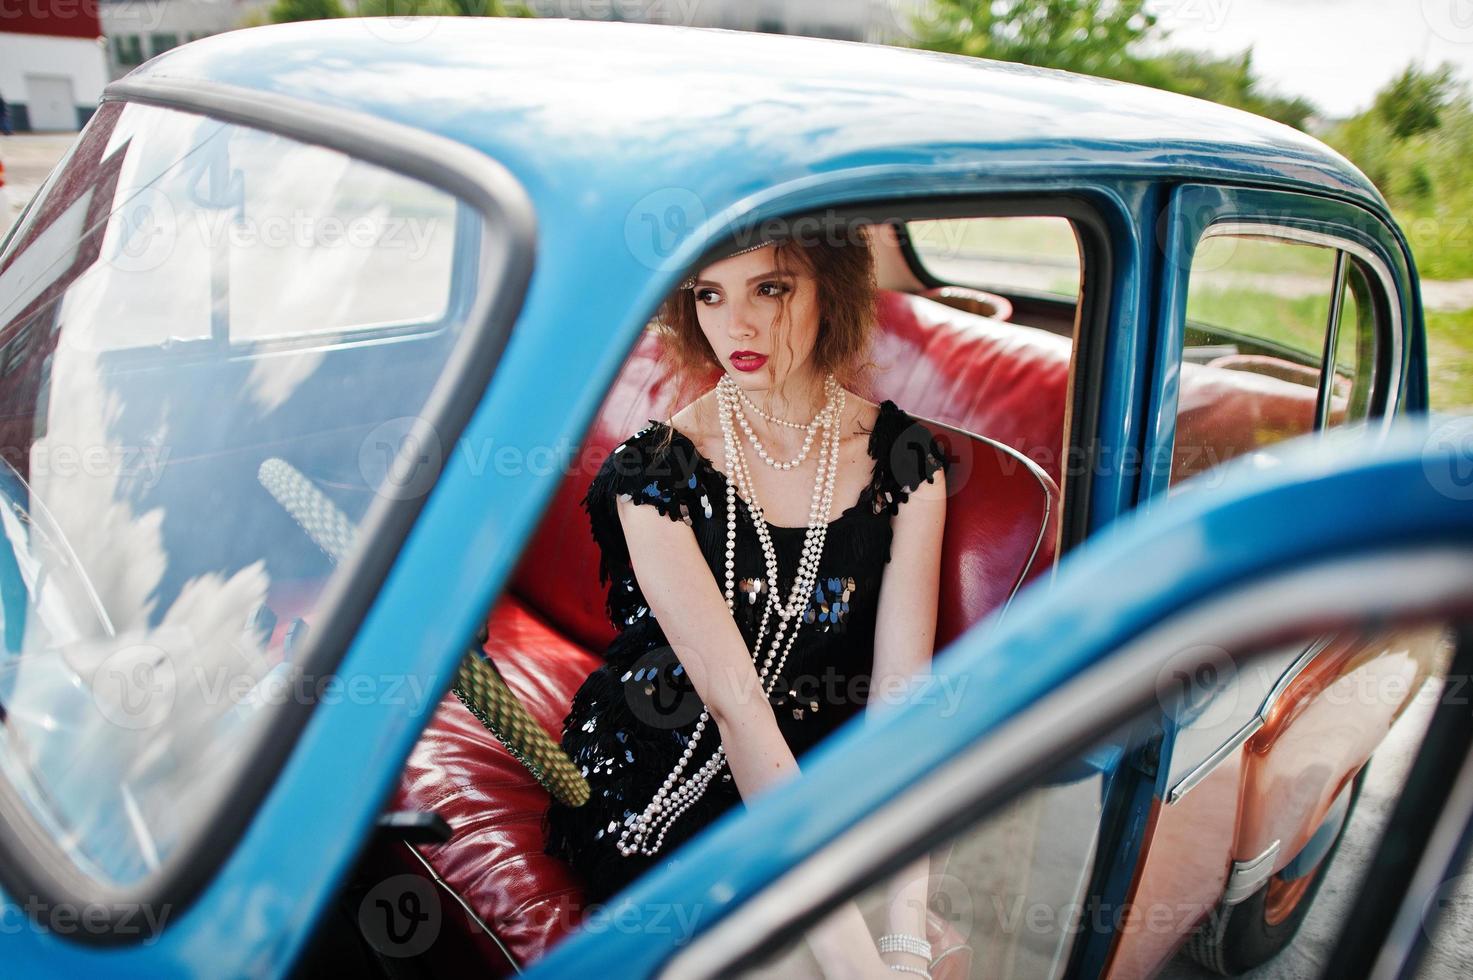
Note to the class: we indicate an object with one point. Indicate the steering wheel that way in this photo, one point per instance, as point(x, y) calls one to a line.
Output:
point(478, 684)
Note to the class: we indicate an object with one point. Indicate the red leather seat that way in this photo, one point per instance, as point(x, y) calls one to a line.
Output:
point(941, 365)
point(1229, 408)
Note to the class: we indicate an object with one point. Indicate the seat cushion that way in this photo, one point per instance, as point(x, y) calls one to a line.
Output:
point(494, 860)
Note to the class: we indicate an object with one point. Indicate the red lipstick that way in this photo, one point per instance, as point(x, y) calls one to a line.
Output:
point(746, 360)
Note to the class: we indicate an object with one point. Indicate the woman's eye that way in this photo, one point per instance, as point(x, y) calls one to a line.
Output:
point(772, 289)
point(705, 295)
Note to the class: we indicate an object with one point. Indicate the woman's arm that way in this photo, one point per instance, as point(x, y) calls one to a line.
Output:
point(905, 637)
point(691, 610)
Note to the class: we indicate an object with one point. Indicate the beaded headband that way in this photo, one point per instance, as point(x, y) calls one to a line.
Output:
point(690, 280)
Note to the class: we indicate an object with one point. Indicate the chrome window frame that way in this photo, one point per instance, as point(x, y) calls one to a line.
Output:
point(1240, 227)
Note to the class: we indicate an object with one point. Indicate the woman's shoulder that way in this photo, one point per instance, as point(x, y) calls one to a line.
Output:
point(906, 453)
point(654, 465)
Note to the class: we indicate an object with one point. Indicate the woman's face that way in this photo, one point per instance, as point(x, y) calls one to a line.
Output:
point(739, 303)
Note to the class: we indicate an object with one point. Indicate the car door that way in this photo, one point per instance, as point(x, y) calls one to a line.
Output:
point(1281, 314)
point(1383, 537)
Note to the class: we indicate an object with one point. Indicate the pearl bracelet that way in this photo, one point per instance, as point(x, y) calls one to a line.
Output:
point(918, 971)
point(900, 942)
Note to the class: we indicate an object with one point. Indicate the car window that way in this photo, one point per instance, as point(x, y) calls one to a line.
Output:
point(144, 427)
point(1026, 254)
point(1264, 315)
point(1256, 861)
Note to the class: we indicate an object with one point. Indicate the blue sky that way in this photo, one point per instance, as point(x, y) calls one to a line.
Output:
point(1335, 52)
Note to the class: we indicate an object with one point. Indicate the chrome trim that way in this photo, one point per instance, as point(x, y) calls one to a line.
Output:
point(1371, 259)
point(1218, 757)
point(1292, 674)
point(1241, 736)
point(1248, 876)
point(1415, 582)
point(1332, 341)
point(472, 913)
point(1039, 474)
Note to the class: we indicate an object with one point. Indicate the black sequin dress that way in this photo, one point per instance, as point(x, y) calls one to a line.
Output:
point(632, 718)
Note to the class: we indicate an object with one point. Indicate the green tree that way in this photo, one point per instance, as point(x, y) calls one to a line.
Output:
point(1229, 80)
point(440, 8)
point(289, 10)
point(1089, 36)
point(1413, 102)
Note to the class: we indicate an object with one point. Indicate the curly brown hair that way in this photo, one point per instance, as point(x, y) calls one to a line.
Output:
point(844, 269)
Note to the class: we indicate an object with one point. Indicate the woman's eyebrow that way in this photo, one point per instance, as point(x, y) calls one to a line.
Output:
point(769, 274)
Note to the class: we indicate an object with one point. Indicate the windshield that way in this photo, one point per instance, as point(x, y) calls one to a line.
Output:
point(214, 343)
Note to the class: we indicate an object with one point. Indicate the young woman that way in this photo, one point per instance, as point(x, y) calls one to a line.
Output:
point(761, 598)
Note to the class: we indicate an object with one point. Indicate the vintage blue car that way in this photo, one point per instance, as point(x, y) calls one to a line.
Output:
point(311, 344)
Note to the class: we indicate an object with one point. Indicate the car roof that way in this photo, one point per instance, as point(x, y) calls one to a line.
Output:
point(570, 105)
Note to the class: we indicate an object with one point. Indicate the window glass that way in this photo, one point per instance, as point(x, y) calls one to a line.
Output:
point(1011, 255)
point(145, 636)
point(1258, 309)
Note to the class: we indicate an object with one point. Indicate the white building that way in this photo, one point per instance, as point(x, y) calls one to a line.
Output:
point(139, 29)
point(52, 66)
point(852, 20)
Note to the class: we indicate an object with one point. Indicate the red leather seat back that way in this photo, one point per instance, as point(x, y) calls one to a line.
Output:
point(1223, 412)
point(1005, 381)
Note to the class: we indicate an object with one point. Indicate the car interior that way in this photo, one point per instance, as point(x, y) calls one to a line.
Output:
point(988, 370)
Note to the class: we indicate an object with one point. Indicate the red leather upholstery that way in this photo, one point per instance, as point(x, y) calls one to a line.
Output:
point(1224, 412)
point(1004, 381)
point(941, 364)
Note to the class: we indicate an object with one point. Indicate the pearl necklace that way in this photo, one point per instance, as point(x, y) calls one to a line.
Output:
point(675, 796)
point(828, 386)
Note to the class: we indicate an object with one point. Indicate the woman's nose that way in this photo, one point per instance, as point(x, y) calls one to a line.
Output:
point(743, 322)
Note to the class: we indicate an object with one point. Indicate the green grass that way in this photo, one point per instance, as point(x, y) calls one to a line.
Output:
point(1441, 241)
point(1298, 323)
point(1450, 360)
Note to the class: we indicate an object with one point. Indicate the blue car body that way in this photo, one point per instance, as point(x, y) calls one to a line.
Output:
point(626, 151)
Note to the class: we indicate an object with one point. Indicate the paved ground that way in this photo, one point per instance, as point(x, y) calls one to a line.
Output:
point(28, 159)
